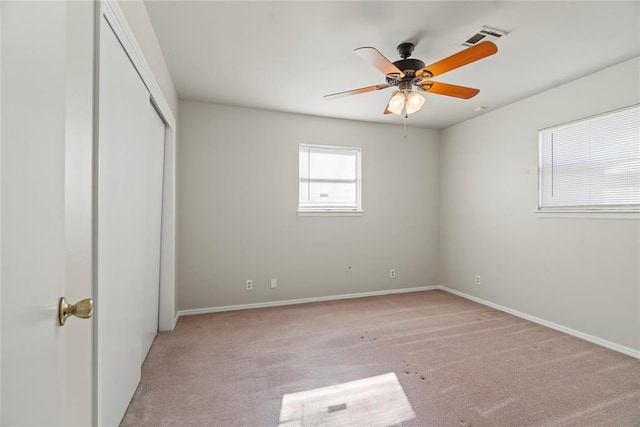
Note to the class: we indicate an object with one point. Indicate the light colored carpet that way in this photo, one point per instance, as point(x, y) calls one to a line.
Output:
point(439, 359)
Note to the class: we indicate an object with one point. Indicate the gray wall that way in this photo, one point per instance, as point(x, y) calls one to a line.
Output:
point(238, 195)
point(581, 273)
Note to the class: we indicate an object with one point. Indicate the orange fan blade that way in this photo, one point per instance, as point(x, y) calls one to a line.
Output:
point(357, 91)
point(378, 60)
point(467, 56)
point(449, 90)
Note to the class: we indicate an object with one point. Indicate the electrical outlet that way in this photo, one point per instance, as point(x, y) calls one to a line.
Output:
point(274, 283)
point(478, 281)
point(392, 273)
point(249, 285)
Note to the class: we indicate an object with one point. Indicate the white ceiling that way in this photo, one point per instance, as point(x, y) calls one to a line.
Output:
point(285, 56)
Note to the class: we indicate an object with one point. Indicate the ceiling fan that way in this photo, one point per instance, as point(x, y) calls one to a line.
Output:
point(409, 72)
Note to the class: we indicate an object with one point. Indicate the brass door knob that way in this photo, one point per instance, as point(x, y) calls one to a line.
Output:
point(82, 309)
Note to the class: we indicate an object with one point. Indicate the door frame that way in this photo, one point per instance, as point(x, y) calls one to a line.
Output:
point(0, 209)
point(111, 11)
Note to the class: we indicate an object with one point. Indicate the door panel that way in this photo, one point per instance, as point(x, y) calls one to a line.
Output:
point(155, 166)
point(33, 211)
point(122, 224)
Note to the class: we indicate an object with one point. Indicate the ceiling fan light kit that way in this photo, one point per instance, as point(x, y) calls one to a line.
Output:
point(415, 101)
point(409, 72)
point(396, 103)
point(405, 100)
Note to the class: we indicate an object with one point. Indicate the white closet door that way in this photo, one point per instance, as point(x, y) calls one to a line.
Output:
point(155, 165)
point(126, 168)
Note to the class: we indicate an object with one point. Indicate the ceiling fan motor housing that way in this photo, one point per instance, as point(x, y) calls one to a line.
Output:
point(408, 66)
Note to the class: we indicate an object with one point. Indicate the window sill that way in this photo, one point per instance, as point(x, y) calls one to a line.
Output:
point(329, 213)
point(589, 214)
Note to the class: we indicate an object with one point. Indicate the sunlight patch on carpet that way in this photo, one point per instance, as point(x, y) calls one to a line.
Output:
point(376, 402)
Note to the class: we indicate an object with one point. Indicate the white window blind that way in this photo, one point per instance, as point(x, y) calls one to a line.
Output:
point(592, 164)
point(329, 178)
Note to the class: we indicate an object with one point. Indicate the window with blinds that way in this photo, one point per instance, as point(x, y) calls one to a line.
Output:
point(329, 179)
point(592, 164)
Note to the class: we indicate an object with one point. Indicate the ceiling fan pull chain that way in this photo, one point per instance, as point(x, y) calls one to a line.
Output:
point(405, 125)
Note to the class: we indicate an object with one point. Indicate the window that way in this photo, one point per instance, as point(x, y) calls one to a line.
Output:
point(329, 179)
point(592, 164)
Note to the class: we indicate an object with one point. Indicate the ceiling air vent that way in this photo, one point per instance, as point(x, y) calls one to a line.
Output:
point(484, 34)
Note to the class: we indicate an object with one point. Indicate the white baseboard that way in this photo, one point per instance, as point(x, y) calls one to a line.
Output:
point(175, 320)
point(301, 301)
point(593, 339)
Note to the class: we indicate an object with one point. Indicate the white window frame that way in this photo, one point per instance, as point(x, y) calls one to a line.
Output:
point(334, 211)
point(591, 211)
